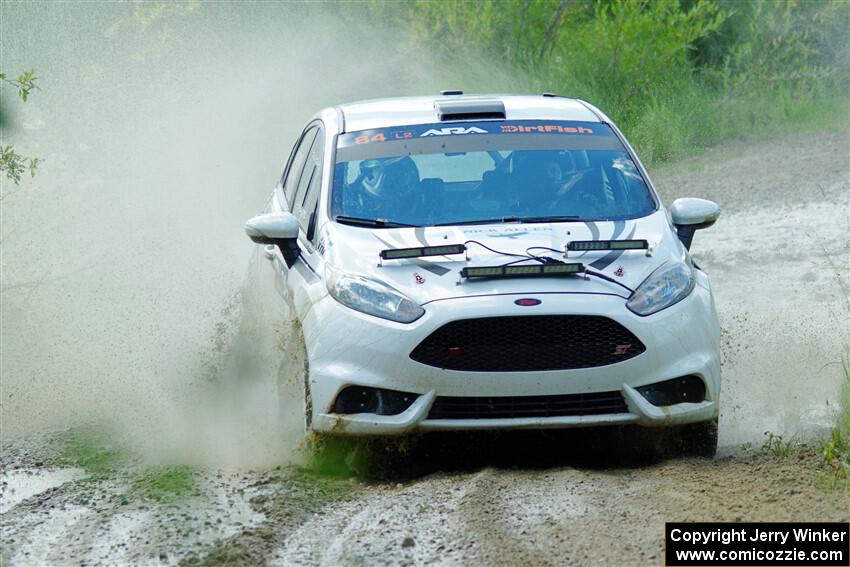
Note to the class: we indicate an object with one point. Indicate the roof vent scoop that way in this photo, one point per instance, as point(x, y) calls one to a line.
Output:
point(451, 92)
point(470, 109)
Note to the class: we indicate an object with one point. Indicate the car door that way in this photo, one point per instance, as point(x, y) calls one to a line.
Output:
point(298, 193)
point(304, 277)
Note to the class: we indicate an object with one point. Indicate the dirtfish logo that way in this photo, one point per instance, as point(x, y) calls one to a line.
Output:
point(452, 130)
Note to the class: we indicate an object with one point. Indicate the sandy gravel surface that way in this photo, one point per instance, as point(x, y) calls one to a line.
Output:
point(778, 260)
point(558, 516)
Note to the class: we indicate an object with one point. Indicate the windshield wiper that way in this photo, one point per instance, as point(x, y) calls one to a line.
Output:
point(378, 223)
point(481, 221)
point(560, 218)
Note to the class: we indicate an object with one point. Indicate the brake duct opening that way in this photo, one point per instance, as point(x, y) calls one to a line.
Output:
point(364, 399)
point(676, 391)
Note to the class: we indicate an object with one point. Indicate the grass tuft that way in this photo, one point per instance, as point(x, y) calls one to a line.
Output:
point(836, 449)
point(165, 485)
point(95, 451)
point(780, 447)
point(90, 449)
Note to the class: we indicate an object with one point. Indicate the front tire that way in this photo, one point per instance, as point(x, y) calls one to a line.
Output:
point(294, 374)
point(697, 439)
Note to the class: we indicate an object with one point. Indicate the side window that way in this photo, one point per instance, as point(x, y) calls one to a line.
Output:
point(309, 168)
point(311, 204)
point(289, 183)
point(309, 187)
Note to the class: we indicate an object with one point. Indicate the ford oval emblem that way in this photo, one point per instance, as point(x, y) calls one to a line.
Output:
point(528, 302)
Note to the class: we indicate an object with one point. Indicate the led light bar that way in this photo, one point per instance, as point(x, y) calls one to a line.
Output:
point(522, 271)
point(399, 253)
point(584, 245)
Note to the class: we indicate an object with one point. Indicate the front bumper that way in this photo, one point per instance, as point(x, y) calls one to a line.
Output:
point(416, 418)
point(349, 348)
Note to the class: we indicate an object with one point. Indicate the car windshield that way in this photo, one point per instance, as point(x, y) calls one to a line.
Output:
point(494, 171)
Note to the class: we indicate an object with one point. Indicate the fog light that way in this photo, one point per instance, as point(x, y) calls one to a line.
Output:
point(362, 399)
point(675, 391)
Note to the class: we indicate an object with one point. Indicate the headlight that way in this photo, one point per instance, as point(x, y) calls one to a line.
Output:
point(666, 286)
point(372, 297)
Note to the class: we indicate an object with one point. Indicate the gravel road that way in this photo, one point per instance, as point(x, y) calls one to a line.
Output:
point(778, 258)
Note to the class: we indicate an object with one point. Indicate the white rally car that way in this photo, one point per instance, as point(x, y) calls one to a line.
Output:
point(483, 262)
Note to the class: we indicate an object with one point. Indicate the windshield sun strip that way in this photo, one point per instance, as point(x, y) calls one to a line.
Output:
point(476, 143)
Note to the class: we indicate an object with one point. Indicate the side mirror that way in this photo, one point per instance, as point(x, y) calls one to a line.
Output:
point(690, 215)
point(279, 229)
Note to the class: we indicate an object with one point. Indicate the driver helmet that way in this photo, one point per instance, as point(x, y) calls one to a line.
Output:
point(389, 177)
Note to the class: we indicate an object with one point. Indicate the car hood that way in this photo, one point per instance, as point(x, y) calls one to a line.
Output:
point(356, 250)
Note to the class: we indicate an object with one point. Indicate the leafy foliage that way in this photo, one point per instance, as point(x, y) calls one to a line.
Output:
point(12, 163)
point(782, 42)
point(631, 51)
point(25, 83)
point(523, 32)
point(676, 75)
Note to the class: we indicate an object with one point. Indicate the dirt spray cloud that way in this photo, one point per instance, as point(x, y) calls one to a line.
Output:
point(163, 127)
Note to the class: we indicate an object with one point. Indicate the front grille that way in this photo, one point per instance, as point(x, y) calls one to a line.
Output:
point(526, 343)
point(527, 406)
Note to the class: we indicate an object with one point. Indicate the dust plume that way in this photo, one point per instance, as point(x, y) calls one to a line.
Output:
point(163, 127)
